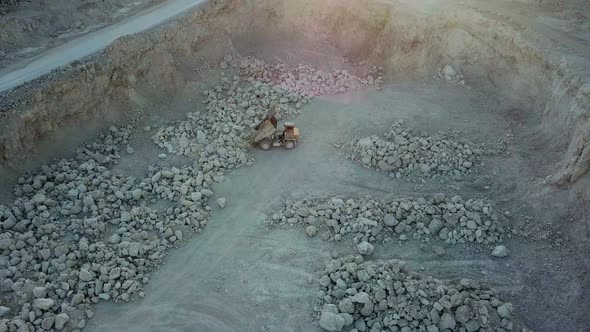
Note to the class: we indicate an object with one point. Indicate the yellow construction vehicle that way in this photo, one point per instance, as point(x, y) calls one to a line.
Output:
point(266, 135)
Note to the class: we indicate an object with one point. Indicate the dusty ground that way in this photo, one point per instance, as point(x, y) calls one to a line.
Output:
point(241, 276)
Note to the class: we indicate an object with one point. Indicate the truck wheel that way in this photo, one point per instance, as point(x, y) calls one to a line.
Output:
point(289, 145)
point(265, 144)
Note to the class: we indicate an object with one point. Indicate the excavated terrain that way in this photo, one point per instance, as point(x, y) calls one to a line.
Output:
point(440, 183)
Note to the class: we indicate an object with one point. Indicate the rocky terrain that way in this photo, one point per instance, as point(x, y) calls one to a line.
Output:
point(233, 110)
point(402, 153)
point(307, 80)
point(375, 296)
point(482, 183)
point(438, 218)
point(78, 233)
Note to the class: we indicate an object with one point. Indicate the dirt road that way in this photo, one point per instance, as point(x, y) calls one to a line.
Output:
point(21, 72)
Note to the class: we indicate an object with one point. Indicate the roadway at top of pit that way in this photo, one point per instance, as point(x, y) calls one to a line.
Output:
point(81, 47)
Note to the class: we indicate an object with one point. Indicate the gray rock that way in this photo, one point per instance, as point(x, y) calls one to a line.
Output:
point(201, 137)
point(125, 216)
point(500, 251)
point(43, 304)
point(504, 310)
point(390, 220)
point(447, 321)
point(47, 322)
point(366, 142)
point(325, 280)
point(4, 311)
point(384, 166)
point(330, 321)
point(346, 306)
point(134, 249)
point(39, 292)
point(207, 192)
point(439, 251)
point(400, 140)
point(472, 326)
point(115, 273)
point(400, 228)
point(311, 230)
point(115, 238)
point(361, 297)
point(221, 202)
point(136, 193)
point(77, 299)
point(432, 328)
point(449, 71)
point(38, 198)
point(360, 325)
point(61, 320)
point(348, 319)
point(367, 309)
point(365, 248)
point(6, 243)
point(463, 314)
point(196, 196)
point(85, 275)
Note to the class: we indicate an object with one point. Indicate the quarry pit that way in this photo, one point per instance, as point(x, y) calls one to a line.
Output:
point(440, 183)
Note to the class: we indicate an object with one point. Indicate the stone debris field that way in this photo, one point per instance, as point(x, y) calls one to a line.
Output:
point(378, 295)
point(438, 183)
point(78, 233)
point(452, 220)
point(400, 153)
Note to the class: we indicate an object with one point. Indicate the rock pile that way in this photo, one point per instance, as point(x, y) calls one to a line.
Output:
point(307, 80)
point(401, 153)
point(77, 233)
point(217, 136)
point(449, 73)
point(450, 219)
point(384, 296)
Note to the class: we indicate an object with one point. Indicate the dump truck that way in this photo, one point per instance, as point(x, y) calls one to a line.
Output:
point(267, 135)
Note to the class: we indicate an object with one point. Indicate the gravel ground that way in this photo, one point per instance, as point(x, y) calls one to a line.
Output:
point(80, 230)
point(450, 226)
point(239, 268)
point(78, 233)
